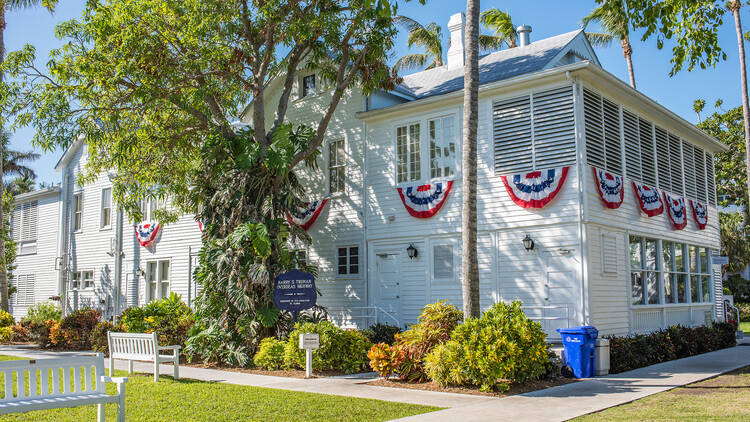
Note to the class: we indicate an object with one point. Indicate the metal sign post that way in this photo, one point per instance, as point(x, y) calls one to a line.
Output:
point(309, 342)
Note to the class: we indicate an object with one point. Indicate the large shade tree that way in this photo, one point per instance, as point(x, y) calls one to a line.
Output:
point(154, 86)
point(5, 7)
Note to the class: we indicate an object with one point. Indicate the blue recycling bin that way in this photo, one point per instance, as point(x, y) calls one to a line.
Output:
point(579, 347)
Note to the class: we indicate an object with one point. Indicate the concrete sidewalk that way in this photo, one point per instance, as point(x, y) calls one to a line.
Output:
point(553, 404)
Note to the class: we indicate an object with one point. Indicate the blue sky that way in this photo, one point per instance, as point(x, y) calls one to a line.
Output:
point(548, 18)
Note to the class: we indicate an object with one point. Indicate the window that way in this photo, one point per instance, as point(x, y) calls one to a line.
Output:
point(535, 131)
point(149, 208)
point(648, 166)
point(662, 158)
point(700, 275)
point(689, 168)
point(24, 295)
point(643, 271)
point(711, 185)
point(602, 128)
point(77, 212)
point(24, 226)
point(674, 277)
point(700, 171)
point(336, 166)
point(82, 280)
point(348, 260)
point(308, 85)
point(106, 211)
point(632, 146)
point(675, 164)
point(157, 279)
point(407, 148)
point(442, 147)
point(442, 258)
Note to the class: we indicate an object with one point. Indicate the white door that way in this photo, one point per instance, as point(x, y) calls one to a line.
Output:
point(560, 291)
point(388, 283)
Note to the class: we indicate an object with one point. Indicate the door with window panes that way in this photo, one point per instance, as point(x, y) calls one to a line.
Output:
point(157, 279)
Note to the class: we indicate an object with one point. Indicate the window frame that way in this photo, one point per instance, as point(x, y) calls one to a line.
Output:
point(26, 243)
point(348, 264)
point(77, 212)
point(159, 281)
point(342, 167)
point(441, 145)
point(425, 173)
point(78, 276)
point(102, 209)
point(303, 87)
point(454, 244)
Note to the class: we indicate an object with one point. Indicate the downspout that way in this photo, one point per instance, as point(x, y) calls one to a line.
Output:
point(118, 263)
point(582, 211)
point(365, 241)
point(63, 275)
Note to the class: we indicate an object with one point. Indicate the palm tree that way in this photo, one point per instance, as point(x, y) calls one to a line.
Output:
point(20, 185)
point(504, 30)
point(429, 38)
point(612, 16)
point(469, 262)
point(6, 5)
point(14, 162)
point(734, 7)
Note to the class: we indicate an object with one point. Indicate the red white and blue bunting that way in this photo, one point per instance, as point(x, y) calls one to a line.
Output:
point(611, 188)
point(305, 216)
point(700, 214)
point(676, 210)
point(535, 189)
point(146, 232)
point(424, 201)
point(648, 199)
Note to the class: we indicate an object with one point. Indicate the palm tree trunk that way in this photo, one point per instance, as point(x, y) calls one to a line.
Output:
point(4, 303)
point(735, 8)
point(627, 52)
point(469, 263)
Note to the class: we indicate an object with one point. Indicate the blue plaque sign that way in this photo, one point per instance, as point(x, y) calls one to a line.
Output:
point(294, 291)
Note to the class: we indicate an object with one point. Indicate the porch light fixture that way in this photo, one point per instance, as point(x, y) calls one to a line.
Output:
point(528, 243)
point(412, 251)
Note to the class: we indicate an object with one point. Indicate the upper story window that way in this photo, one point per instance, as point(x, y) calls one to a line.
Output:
point(77, 212)
point(348, 260)
point(157, 279)
point(408, 153)
point(442, 135)
point(534, 131)
point(25, 222)
point(106, 209)
point(308, 85)
point(336, 166)
point(149, 208)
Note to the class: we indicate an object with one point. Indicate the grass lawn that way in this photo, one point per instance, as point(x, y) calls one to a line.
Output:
point(726, 397)
point(191, 400)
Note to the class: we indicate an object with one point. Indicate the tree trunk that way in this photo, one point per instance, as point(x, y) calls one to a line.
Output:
point(627, 52)
point(735, 8)
point(4, 303)
point(469, 263)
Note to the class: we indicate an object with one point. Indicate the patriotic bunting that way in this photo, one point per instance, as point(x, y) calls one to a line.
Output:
point(535, 189)
point(648, 199)
point(700, 214)
point(611, 188)
point(424, 201)
point(304, 217)
point(200, 225)
point(676, 211)
point(146, 232)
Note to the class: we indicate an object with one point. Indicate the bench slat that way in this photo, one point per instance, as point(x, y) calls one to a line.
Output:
point(65, 389)
point(32, 383)
point(89, 384)
point(77, 380)
point(21, 384)
point(55, 382)
point(8, 385)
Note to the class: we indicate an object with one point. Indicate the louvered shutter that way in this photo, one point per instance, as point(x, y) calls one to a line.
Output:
point(718, 293)
point(688, 162)
point(700, 174)
point(612, 149)
point(648, 166)
point(30, 289)
point(632, 146)
point(32, 222)
point(609, 253)
point(662, 158)
point(512, 134)
point(592, 115)
point(554, 128)
point(675, 164)
point(17, 217)
point(710, 179)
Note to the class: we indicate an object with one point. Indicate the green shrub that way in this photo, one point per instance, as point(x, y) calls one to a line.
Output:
point(340, 350)
point(500, 348)
point(99, 340)
point(744, 309)
point(381, 333)
point(382, 359)
point(6, 334)
point(170, 318)
point(270, 354)
point(42, 311)
point(435, 324)
point(39, 332)
point(6, 319)
point(676, 342)
point(74, 331)
point(21, 334)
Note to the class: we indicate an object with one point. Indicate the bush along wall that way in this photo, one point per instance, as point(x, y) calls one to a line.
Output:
point(676, 342)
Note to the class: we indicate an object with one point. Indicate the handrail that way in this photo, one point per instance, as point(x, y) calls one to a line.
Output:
point(370, 314)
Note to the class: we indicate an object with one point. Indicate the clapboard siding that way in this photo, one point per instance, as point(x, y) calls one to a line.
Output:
point(608, 290)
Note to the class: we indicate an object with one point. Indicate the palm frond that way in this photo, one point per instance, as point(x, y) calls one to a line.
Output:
point(598, 39)
point(488, 43)
point(410, 62)
point(25, 4)
point(407, 23)
point(611, 17)
point(501, 24)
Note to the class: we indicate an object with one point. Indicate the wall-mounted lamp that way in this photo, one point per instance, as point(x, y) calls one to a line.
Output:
point(412, 251)
point(528, 243)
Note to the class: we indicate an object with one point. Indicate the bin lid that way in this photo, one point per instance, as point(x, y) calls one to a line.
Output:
point(586, 329)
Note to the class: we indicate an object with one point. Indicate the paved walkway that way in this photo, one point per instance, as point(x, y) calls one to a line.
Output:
point(553, 404)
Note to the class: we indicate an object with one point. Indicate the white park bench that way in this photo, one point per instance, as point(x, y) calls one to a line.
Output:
point(141, 347)
point(38, 385)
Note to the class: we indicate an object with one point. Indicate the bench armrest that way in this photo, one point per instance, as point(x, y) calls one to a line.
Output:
point(118, 380)
point(175, 348)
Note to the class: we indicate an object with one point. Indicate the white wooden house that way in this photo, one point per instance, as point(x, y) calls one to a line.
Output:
point(543, 105)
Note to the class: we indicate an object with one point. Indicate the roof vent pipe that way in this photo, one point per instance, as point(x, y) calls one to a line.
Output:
point(524, 35)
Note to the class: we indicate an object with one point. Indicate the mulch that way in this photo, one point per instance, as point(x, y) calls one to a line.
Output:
point(514, 389)
point(289, 373)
